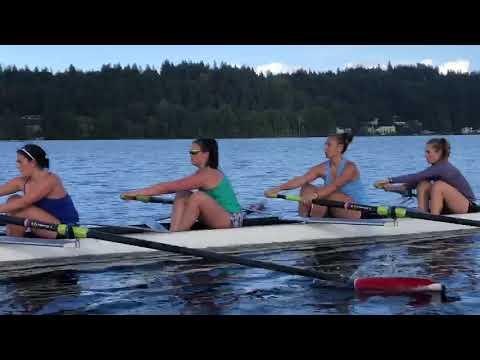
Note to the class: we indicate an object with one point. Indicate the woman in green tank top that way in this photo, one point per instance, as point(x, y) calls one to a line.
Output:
point(215, 204)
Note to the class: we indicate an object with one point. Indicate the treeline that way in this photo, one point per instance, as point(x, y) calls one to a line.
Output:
point(194, 99)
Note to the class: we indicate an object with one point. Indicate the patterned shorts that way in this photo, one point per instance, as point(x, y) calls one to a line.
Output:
point(236, 219)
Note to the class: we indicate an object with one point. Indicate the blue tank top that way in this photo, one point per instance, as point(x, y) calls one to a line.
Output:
point(63, 209)
point(354, 188)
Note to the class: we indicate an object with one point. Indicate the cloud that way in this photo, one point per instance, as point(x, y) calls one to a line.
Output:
point(458, 66)
point(276, 68)
point(428, 62)
point(365, 66)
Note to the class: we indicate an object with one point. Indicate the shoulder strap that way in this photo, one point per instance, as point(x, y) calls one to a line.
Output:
point(343, 163)
point(25, 186)
point(327, 172)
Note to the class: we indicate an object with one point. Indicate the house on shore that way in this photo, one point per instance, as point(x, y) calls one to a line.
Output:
point(386, 130)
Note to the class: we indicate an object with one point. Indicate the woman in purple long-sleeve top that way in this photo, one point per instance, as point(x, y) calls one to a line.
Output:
point(441, 188)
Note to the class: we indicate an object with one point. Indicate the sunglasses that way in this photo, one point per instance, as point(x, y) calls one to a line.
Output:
point(194, 152)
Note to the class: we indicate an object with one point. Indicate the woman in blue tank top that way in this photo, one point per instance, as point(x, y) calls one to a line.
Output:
point(44, 197)
point(341, 182)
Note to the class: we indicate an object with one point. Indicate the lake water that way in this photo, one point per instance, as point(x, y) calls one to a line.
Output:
point(96, 172)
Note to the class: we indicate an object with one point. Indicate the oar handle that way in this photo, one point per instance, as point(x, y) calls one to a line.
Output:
point(160, 200)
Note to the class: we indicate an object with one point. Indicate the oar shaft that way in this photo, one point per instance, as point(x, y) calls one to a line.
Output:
point(359, 285)
point(387, 211)
point(82, 232)
point(255, 208)
point(5, 219)
point(148, 199)
point(209, 255)
point(442, 218)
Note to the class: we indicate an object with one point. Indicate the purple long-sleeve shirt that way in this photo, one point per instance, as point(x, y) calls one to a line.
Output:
point(443, 171)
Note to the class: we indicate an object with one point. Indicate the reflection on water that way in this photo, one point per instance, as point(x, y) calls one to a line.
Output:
point(200, 287)
point(95, 172)
point(39, 294)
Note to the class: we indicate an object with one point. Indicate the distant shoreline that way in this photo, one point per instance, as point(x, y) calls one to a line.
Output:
point(233, 138)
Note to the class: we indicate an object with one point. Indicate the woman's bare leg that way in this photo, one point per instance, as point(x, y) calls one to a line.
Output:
point(202, 205)
point(423, 195)
point(343, 213)
point(33, 213)
point(445, 194)
point(315, 210)
point(181, 198)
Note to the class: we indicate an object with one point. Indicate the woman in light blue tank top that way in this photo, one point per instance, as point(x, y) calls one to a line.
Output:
point(341, 182)
point(354, 188)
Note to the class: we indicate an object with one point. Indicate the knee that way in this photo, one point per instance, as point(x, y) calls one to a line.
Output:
point(196, 197)
point(306, 188)
point(10, 199)
point(179, 195)
point(438, 187)
point(423, 185)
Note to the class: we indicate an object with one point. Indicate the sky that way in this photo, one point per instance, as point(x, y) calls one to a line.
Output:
point(263, 58)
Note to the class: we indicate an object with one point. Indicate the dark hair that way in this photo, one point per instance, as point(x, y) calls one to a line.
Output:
point(35, 152)
point(441, 144)
point(345, 139)
point(210, 146)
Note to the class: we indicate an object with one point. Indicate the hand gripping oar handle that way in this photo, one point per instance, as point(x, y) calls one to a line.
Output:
point(387, 211)
point(148, 199)
point(83, 232)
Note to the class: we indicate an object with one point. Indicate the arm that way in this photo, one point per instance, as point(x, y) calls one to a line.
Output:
point(29, 199)
point(11, 187)
point(191, 182)
point(312, 174)
point(412, 180)
point(349, 174)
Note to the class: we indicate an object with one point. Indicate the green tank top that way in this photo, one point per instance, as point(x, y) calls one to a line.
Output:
point(224, 196)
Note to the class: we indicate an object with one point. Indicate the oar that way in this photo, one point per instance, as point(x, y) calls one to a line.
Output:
point(254, 208)
point(380, 284)
point(362, 285)
point(148, 199)
point(400, 189)
point(83, 232)
point(386, 211)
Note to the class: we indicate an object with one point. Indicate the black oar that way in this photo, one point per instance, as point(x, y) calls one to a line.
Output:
point(386, 211)
point(148, 199)
point(375, 285)
point(254, 208)
point(83, 232)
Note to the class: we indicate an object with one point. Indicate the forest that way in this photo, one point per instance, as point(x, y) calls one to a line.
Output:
point(190, 100)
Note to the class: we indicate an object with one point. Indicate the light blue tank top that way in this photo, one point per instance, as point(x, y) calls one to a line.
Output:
point(354, 188)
